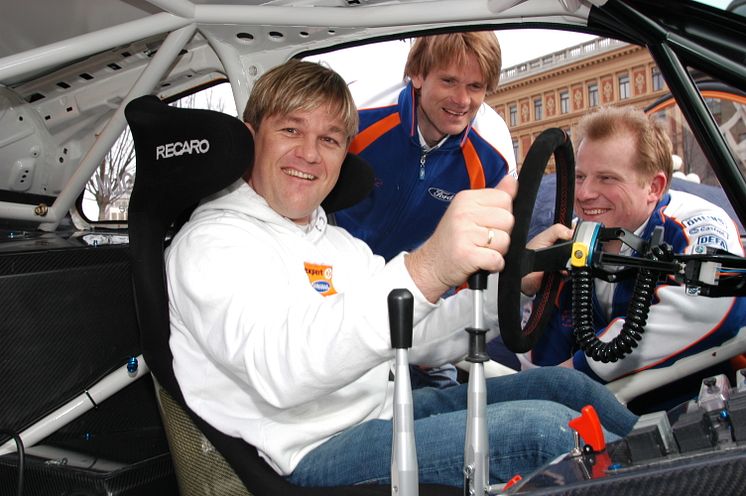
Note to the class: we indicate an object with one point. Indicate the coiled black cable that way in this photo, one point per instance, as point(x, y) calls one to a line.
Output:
point(21, 458)
point(634, 325)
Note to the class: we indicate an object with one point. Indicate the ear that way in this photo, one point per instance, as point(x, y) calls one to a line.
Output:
point(658, 185)
point(417, 81)
point(251, 129)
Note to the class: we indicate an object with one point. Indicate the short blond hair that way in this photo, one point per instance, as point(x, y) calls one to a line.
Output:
point(300, 85)
point(654, 150)
point(430, 52)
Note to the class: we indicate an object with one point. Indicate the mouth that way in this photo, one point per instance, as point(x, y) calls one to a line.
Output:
point(453, 113)
point(299, 174)
point(591, 212)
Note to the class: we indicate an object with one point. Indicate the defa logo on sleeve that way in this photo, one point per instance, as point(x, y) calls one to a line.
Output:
point(712, 240)
point(179, 148)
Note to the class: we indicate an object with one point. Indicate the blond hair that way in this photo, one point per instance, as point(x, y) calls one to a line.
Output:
point(301, 86)
point(653, 146)
point(440, 50)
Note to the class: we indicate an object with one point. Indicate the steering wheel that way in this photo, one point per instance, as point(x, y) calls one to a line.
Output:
point(520, 261)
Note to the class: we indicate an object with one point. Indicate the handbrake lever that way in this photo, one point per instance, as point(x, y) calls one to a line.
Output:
point(404, 478)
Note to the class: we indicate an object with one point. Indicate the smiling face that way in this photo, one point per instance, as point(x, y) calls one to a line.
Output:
point(298, 157)
point(448, 98)
point(608, 187)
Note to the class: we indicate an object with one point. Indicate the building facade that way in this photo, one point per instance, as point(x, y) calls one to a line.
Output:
point(556, 90)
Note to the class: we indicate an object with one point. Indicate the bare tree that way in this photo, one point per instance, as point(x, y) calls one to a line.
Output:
point(114, 176)
point(204, 100)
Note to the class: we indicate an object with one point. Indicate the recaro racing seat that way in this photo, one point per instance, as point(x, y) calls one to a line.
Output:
point(164, 194)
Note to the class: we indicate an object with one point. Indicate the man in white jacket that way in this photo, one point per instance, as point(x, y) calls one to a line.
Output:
point(279, 321)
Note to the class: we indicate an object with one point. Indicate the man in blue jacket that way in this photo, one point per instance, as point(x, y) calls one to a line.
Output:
point(427, 139)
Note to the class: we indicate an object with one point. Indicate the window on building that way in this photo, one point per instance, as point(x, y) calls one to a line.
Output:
point(593, 95)
point(564, 102)
point(537, 109)
point(513, 112)
point(515, 148)
point(658, 82)
point(624, 87)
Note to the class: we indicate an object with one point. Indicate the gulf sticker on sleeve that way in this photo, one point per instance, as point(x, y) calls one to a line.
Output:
point(320, 277)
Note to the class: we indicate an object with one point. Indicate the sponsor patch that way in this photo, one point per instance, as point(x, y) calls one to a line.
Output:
point(440, 194)
point(320, 277)
point(708, 229)
point(712, 240)
point(698, 219)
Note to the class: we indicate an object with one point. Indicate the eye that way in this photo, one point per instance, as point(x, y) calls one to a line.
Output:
point(579, 178)
point(290, 130)
point(331, 140)
point(476, 87)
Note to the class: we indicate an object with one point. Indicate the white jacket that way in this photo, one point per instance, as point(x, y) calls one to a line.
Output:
point(262, 355)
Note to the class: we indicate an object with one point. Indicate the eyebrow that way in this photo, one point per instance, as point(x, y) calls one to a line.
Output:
point(301, 120)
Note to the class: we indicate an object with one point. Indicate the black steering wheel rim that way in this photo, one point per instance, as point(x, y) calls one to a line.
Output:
point(519, 338)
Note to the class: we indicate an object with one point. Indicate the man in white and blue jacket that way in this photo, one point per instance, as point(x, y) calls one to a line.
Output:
point(623, 170)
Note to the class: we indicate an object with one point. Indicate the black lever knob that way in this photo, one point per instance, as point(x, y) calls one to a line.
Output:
point(478, 280)
point(401, 314)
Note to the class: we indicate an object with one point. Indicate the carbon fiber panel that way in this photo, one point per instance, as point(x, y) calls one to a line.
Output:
point(116, 449)
point(68, 318)
point(200, 468)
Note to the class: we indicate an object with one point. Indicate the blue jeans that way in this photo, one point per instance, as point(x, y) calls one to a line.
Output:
point(527, 416)
point(437, 377)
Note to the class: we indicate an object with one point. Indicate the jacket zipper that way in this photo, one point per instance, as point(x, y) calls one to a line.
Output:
point(422, 166)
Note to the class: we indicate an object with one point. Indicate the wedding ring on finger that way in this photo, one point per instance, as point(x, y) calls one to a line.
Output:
point(490, 236)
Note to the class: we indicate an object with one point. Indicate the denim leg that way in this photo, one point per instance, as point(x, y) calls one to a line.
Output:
point(567, 387)
point(527, 417)
point(517, 446)
point(437, 377)
point(557, 384)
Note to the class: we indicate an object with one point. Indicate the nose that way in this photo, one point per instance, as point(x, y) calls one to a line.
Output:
point(308, 149)
point(584, 190)
point(460, 95)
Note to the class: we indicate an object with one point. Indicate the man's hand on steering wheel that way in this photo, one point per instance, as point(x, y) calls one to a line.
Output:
point(530, 283)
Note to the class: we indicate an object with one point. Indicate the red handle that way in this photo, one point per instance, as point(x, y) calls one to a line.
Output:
point(589, 427)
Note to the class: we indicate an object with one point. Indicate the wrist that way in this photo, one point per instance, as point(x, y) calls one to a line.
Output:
point(424, 276)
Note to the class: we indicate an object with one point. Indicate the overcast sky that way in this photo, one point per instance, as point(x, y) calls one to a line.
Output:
point(382, 64)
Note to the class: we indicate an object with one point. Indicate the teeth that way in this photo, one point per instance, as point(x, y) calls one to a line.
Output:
point(297, 173)
point(459, 114)
point(594, 211)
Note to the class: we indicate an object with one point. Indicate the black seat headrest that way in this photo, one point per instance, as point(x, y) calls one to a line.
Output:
point(183, 155)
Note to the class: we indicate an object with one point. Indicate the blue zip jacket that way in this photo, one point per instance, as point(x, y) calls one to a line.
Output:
point(412, 188)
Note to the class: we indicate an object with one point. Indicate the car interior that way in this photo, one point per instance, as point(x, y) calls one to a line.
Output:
point(89, 88)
